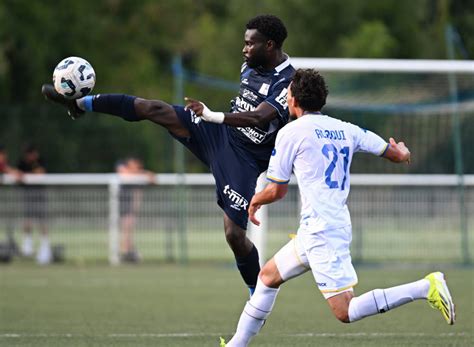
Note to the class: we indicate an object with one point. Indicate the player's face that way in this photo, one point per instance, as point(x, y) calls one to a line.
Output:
point(254, 48)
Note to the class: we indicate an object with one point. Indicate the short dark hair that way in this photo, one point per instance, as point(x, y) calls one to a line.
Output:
point(309, 89)
point(270, 26)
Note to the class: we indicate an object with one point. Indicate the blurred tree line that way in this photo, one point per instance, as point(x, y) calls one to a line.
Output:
point(131, 45)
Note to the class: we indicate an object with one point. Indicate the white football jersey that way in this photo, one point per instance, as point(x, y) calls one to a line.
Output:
point(319, 150)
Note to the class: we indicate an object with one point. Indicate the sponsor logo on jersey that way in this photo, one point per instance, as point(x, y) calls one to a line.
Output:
point(239, 202)
point(243, 106)
point(321, 284)
point(255, 134)
point(245, 81)
point(281, 98)
point(248, 94)
point(264, 89)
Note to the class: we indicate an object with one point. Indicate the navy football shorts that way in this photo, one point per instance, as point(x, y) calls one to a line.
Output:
point(234, 168)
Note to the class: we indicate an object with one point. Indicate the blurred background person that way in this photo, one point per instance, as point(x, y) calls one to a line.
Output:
point(5, 200)
point(35, 206)
point(131, 196)
point(5, 167)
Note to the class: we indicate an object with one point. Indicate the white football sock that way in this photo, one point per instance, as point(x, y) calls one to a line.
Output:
point(255, 312)
point(27, 245)
point(382, 300)
point(44, 253)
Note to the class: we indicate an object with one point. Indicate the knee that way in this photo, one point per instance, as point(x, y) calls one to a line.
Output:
point(151, 109)
point(342, 315)
point(269, 277)
point(266, 276)
point(235, 239)
point(340, 306)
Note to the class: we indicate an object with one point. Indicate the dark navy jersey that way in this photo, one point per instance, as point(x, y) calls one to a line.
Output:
point(257, 86)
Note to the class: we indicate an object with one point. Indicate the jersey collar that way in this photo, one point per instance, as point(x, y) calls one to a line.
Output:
point(283, 65)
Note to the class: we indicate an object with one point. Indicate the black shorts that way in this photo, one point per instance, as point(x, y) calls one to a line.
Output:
point(34, 202)
point(129, 199)
point(126, 200)
point(234, 169)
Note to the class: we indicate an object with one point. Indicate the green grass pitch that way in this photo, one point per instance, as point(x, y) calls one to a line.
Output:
point(172, 305)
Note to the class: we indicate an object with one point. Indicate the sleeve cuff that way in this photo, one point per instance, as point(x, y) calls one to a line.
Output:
point(277, 181)
point(384, 150)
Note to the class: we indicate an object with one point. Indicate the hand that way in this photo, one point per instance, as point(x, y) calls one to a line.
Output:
point(202, 111)
point(253, 208)
point(196, 106)
point(403, 152)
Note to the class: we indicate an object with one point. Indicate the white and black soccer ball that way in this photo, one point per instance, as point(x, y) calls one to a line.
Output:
point(74, 77)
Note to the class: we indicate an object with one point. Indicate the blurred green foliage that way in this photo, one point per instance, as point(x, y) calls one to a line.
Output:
point(131, 45)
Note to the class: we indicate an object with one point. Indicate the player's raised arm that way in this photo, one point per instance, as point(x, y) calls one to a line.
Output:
point(262, 115)
point(271, 193)
point(397, 152)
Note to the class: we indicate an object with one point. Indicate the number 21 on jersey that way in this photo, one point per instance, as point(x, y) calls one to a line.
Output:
point(332, 153)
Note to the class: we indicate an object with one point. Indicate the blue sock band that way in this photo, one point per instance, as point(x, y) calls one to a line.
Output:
point(88, 103)
point(119, 105)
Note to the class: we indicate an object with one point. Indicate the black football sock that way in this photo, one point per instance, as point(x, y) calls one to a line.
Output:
point(249, 268)
point(119, 105)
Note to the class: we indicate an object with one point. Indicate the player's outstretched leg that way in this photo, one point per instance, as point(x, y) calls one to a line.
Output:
point(432, 288)
point(127, 107)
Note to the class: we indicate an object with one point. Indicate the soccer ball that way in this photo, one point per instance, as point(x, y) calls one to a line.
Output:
point(74, 78)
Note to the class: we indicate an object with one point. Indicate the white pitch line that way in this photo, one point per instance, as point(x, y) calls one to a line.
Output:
point(184, 334)
point(377, 334)
point(167, 335)
point(36, 335)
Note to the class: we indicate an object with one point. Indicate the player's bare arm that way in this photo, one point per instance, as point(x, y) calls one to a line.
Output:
point(397, 152)
point(263, 114)
point(271, 193)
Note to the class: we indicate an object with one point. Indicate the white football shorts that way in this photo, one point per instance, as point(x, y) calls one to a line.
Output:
point(326, 253)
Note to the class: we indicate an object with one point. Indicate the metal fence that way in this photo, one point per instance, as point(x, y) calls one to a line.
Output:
point(396, 218)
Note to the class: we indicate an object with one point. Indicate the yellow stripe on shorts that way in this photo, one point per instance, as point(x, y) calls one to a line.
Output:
point(338, 290)
point(292, 237)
